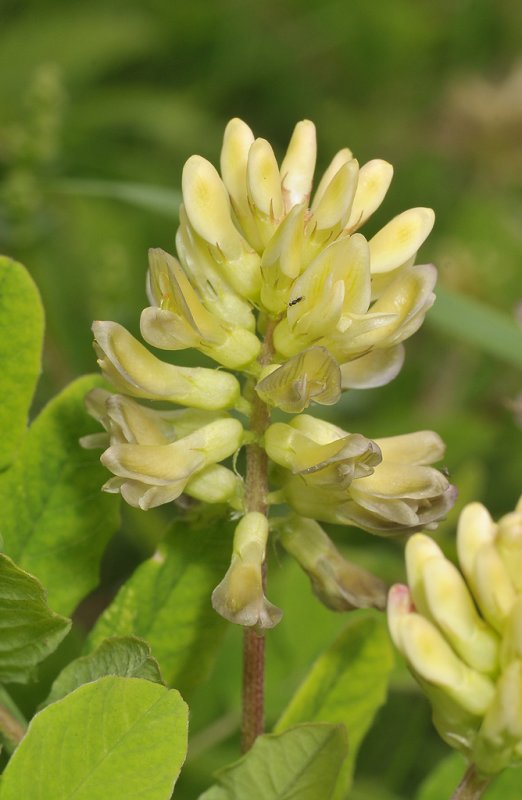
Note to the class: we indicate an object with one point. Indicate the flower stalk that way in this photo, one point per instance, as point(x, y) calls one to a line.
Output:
point(256, 494)
point(472, 785)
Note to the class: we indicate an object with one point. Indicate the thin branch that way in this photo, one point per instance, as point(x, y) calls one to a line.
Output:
point(472, 785)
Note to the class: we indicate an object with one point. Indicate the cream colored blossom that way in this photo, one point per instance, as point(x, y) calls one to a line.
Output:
point(240, 596)
point(383, 486)
point(461, 634)
point(274, 279)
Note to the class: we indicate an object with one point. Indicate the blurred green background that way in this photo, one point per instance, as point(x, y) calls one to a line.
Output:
point(101, 104)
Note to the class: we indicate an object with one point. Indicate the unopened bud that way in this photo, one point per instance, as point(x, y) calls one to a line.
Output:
point(337, 582)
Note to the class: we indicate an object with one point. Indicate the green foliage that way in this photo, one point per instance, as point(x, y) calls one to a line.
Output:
point(122, 738)
point(482, 326)
point(21, 339)
point(347, 684)
point(29, 630)
point(303, 762)
point(167, 602)
point(446, 777)
point(56, 523)
point(124, 656)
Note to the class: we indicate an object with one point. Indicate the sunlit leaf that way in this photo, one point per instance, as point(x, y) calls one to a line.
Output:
point(125, 656)
point(167, 602)
point(118, 738)
point(303, 763)
point(21, 337)
point(55, 520)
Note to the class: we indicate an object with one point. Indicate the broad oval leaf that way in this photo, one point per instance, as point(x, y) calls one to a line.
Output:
point(118, 738)
point(21, 339)
point(302, 762)
point(56, 521)
point(347, 684)
point(29, 630)
point(167, 601)
point(125, 656)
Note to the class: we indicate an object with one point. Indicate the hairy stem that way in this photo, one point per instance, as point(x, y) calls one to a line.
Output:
point(11, 730)
point(472, 785)
point(256, 492)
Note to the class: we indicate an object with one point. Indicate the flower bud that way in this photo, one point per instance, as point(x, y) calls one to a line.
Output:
point(337, 582)
point(130, 367)
point(462, 638)
point(215, 292)
point(374, 181)
point(216, 484)
point(240, 597)
point(332, 210)
point(440, 593)
point(208, 210)
point(264, 189)
point(168, 468)
point(400, 239)
point(499, 743)
point(297, 168)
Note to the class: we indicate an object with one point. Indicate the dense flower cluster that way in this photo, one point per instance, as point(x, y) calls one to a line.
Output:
point(278, 285)
point(461, 633)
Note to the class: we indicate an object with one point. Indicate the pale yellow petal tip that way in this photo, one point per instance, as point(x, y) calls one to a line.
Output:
point(239, 597)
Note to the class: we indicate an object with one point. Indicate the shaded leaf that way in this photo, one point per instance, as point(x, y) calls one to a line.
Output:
point(303, 763)
point(55, 520)
point(125, 656)
point(446, 777)
point(21, 338)
point(122, 738)
point(29, 630)
point(167, 601)
point(347, 684)
point(149, 197)
point(477, 324)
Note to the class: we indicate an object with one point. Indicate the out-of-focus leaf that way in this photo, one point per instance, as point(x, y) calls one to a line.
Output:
point(302, 762)
point(21, 337)
point(29, 630)
point(477, 324)
point(347, 684)
point(55, 520)
point(12, 722)
point(446, 777)
point(167, 602)
point(122, 738)
point(125, 656)
point(152, 198)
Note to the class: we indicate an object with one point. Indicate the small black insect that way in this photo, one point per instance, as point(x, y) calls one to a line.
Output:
point(296, 301)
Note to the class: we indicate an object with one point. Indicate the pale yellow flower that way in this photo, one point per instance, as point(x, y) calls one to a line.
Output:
point(461, 634)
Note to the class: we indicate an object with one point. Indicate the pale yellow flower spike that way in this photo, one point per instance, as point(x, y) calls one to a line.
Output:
point(281, 290)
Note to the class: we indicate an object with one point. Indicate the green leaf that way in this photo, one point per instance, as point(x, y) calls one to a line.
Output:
point(347, 684)
point(302, 763)
point(446, 777)
point(478, 324)
point(125, 656)
point(21, 338)
point(118, 738)
point(29, 630)
point(55, 520)
point(167, 602)
point(152, 198)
